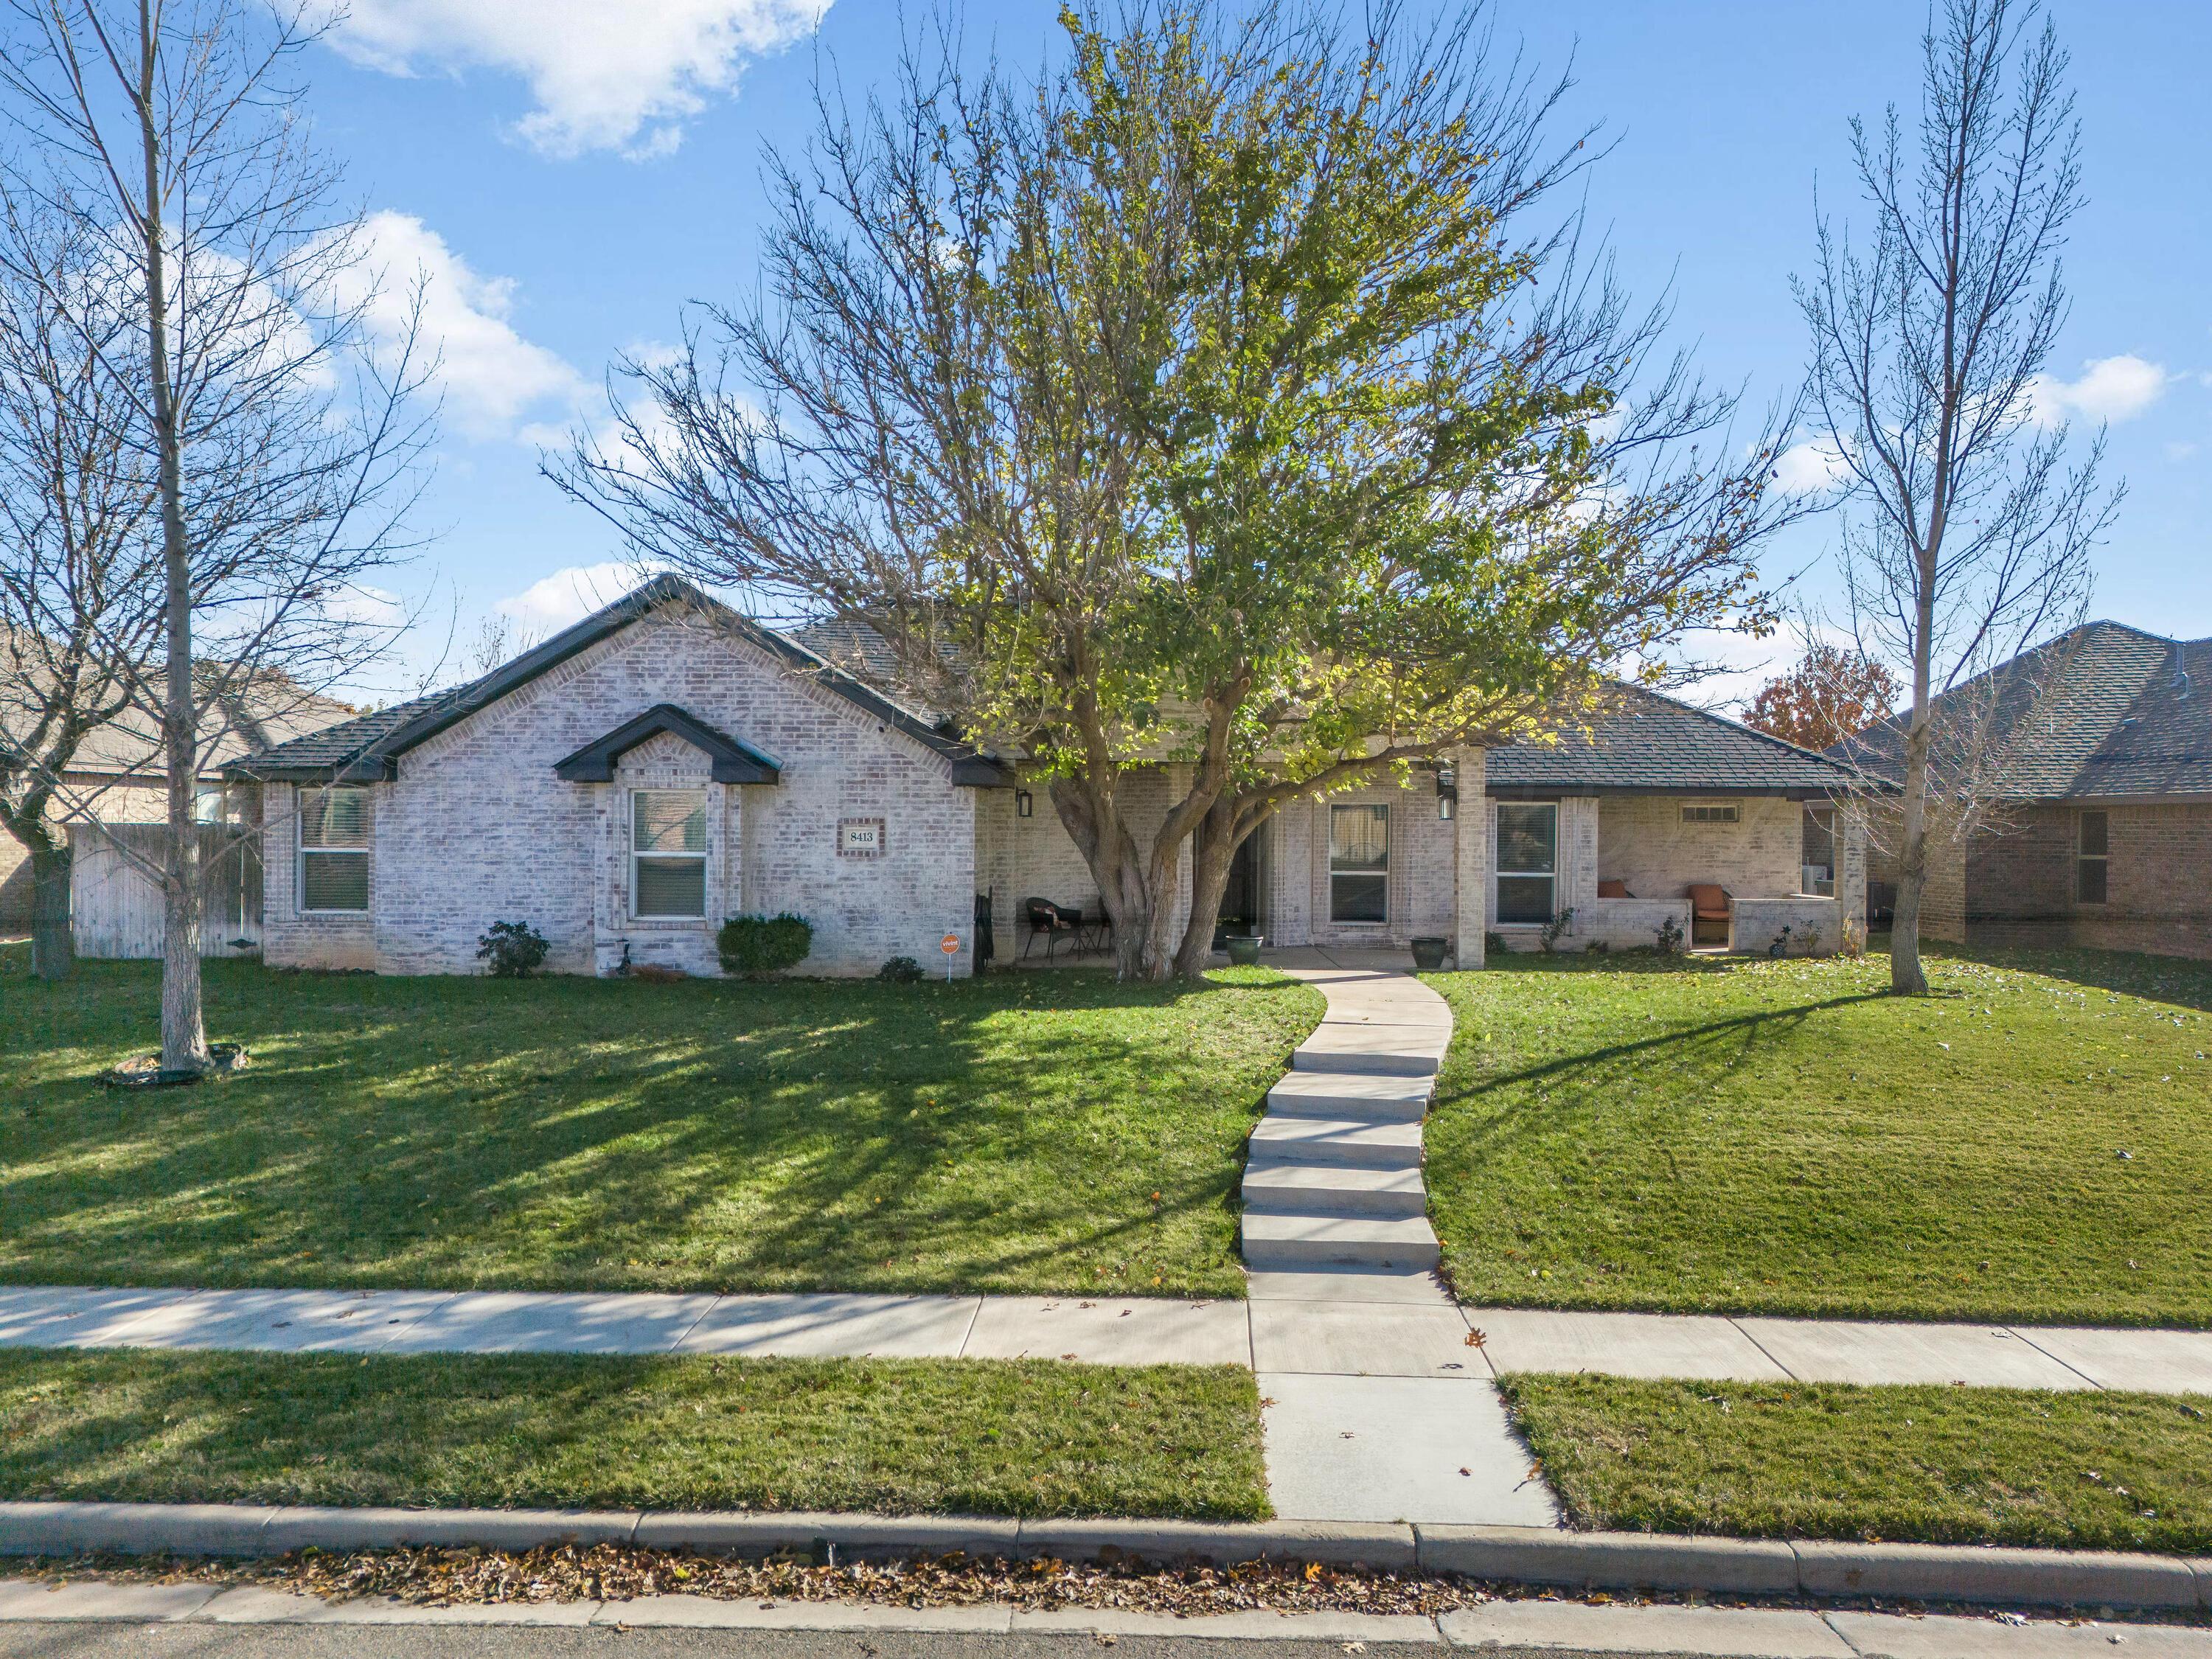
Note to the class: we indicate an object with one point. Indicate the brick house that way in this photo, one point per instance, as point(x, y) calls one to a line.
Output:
point(2100, 831)
point(665, 763)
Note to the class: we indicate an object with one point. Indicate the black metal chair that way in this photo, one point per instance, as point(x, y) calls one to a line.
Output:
point(1048, 920)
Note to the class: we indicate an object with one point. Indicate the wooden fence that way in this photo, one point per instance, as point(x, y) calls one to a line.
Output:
point(115, 909)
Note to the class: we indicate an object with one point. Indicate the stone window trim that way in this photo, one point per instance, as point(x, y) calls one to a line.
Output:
point(330, 836)
point(2092, 857)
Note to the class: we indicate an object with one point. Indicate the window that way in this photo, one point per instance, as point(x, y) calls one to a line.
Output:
point(1817, 852)
point(1713, 814)
point(211, 804)
point(334, 849)
point(1358, 864)
point(668, 853)
point(1527, 859)
point(2090, 861)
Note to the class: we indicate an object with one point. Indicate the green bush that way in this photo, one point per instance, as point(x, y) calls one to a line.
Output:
point(756, 945)
point(514, 949)
point(900, 970)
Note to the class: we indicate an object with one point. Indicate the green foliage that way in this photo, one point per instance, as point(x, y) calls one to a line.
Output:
point(514, 949)
point(1556, 929)
point(900, 970)
point(2087, 1470)
point(755, 946)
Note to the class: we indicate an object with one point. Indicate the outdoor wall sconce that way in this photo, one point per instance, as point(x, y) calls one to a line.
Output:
point(1024, 803)
point(1447, 805)
point(1447, 792)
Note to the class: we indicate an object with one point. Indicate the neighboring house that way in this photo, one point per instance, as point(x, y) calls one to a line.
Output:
point(667, 763)
point(118, 778)
point(2098, 831)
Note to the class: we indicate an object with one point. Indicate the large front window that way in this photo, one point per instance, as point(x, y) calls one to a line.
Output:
point(1527, 860)
point(1359, 863)
point(334, 849)
point(668, 853)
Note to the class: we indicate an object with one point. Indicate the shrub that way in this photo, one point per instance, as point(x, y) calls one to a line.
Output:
point(900, 970)
point(1493, 944)
point(1670, 937)
point(1556, 927)
point(756, 945)
point(1597, 947)
point(514, 949)
point(1855, 939)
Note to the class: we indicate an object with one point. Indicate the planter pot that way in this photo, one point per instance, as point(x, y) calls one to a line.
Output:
point(1429, 952)
point(1244, 949)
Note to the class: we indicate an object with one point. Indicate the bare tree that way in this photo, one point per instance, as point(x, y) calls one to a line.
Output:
point(1198, 405)
point(80, 576)
point(278, 419)
point(1972, 529)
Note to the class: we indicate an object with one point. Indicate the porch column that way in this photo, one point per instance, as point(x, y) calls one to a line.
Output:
point(1851, 862)
point(1577, 888)
point(1471, 839)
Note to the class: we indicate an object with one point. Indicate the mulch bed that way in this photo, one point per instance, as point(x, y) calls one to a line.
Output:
point(147, 1072)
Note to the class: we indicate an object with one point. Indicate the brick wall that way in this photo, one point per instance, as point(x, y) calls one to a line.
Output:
point(1421, 897)
point(2021, 880)
point(1024, 857)
point(477, 828)
point(1642, 839)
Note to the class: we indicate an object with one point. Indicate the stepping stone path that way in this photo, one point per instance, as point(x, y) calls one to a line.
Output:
point(1333, 1177)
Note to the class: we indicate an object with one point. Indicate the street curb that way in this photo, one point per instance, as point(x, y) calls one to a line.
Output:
point(1531, 1555)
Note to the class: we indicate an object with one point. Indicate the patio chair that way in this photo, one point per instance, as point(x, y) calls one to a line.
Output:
point(1049, 921)
point(1710, 907)
point(1613, 890)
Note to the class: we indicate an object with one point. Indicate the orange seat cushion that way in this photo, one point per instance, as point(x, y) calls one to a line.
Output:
point(1613, 890)
point(1707, 899)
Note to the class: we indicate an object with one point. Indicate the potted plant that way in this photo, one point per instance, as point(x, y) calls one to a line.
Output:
point(1429, 952)
point(1244, 949)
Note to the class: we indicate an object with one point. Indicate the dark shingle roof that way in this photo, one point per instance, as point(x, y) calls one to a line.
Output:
point(1642, 743)
point(361, 750)
point(2104, 709)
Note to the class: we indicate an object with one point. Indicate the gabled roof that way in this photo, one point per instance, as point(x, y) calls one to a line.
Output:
point(2103, 709)
point(367, 749)
point(733, 761)
point(1642, 743)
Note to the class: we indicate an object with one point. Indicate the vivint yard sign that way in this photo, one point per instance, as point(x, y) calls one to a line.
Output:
point(860, 838)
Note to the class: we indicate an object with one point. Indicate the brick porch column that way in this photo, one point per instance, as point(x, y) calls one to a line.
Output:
point(1471, 842)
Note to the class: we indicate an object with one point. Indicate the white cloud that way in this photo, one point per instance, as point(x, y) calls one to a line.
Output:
point(1816, 464)
point(491, 377)
point(569, 595)
point(620, 75)
point(2108, 389)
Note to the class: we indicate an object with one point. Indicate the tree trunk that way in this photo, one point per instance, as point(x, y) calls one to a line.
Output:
point(1139, 899)
point(53, 952)
point(1213, 846)
point(1906, 977)
point(184, 1032)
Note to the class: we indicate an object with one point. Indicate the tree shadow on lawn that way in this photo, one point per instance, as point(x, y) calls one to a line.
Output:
point(1053, 1133)
point(2178, 979)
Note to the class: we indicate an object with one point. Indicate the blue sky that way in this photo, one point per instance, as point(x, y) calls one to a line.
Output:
point(570, 174)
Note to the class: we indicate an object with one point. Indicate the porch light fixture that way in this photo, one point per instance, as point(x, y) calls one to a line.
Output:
point(1447, 805)
point(1024, 803)
point(1447, 792)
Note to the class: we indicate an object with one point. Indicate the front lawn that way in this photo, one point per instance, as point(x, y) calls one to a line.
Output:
point(1024, 1438)
point(2032, 1142)
point(1916, 1465)
point(1020, 1133)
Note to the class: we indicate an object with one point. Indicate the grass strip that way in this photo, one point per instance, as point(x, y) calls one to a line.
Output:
point(1014, 1438)
point(1913, 1465)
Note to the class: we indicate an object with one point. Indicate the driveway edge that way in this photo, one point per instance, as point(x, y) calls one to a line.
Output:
point(1530, 1555)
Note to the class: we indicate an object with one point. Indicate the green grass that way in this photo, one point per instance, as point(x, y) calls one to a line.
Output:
point(1028, 1438)
point(1783, 1137)
point(1921, 1465)
point(1020, 1133)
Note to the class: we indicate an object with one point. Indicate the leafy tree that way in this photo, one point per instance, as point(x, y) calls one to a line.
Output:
point(1829, 695)
point(1213, 402)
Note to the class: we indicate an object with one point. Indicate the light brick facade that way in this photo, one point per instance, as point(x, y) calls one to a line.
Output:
point(477, 828)
point(2021, 882)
